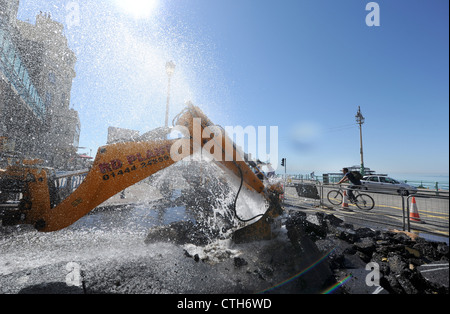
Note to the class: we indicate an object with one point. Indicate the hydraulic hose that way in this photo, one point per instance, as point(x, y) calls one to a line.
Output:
point(237, 196)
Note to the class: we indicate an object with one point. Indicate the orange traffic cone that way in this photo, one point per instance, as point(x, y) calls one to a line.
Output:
point(414, 213)
point(345, 200)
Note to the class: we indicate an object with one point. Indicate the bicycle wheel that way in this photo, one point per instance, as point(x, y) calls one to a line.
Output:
point(335, 197)
point(365, 202)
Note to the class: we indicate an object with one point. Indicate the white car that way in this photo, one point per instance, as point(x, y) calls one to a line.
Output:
point(383, 183)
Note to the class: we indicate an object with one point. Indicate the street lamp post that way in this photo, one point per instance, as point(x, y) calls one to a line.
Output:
point(170, 69)
point(360, 120)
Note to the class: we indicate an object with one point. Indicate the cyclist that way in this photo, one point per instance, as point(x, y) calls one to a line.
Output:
point(355, 182)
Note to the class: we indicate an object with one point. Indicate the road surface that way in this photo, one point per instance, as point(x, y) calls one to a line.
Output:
point(387, 213)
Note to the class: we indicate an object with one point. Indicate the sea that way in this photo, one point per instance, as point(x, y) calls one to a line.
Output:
point(427, 181)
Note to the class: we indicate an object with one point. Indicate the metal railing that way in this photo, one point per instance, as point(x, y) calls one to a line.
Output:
point(429, 185)
point(421, 184)
point(432, 209)
point(391, 210)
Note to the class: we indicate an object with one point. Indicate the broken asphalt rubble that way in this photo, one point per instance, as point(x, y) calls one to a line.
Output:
point(399, 255)
point(312, 236)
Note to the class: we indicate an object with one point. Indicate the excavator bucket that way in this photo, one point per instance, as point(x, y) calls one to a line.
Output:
point(263, 229)
point(260, 227)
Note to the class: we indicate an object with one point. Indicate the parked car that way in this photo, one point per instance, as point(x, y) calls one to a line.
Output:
point(387, 184)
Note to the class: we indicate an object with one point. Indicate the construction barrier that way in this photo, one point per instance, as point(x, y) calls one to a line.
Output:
point(428, 212)
point(307, 190)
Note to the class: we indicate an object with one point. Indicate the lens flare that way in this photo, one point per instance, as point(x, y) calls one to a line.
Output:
point(337, 285)
point(299, 274)
point(139, 9)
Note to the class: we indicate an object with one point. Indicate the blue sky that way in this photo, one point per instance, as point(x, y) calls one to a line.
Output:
point(302, 65)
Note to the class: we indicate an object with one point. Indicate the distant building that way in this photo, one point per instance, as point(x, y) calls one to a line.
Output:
point(21, 106)
point(54, 69)
point(37, 71)
point(367, 170)
point(337, 176)
point(118, 135)
point(8, 10)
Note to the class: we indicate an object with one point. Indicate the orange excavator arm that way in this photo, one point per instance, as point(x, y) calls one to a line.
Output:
point(119, 166)
point(115, 168)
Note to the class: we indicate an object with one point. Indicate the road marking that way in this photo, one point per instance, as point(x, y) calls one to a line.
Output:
point(378, 290)
point(443, 216)
point(435, 269)
point(434, 265)
point(442, 232)
point(433, 216)
point(429, 211)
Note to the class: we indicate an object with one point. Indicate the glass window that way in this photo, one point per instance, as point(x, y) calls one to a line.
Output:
point(48, 98)
point(41, 106)
point(26, 80)
point(10, 55)
point(390, 180)
point(21, 72)
point(52, 78)
point(17, 64)
point(6, 47)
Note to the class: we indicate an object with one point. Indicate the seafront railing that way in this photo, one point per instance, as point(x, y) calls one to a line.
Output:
point(426, 211)
point(420, 184)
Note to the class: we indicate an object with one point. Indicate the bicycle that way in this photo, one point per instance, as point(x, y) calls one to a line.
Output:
point(362, 201)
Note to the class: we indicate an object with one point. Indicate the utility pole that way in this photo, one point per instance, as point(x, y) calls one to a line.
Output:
point(360, 120)
point(284, 164)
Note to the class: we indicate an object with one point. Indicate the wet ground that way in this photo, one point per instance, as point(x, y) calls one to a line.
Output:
point(107, 252)
point(101, 261)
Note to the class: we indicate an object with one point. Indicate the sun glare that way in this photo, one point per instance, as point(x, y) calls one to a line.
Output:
point(138, 8)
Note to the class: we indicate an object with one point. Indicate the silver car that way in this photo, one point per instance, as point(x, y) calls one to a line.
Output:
point(387, 184)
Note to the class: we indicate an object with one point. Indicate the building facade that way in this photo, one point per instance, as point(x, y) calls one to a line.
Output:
point(36, 75)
